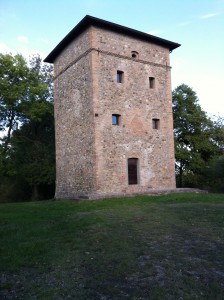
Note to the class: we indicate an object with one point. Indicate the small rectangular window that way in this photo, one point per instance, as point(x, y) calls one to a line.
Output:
point(116, 119)
point(155, 123)
point(151, 82)
point(120, 77)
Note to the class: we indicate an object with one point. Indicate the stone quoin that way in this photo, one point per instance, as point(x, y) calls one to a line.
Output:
point(113, 111)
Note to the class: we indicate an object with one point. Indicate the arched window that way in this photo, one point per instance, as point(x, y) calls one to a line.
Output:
point(133, 171)
point(134, 54)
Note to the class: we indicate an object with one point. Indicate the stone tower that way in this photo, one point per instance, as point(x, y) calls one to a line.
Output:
point(113, 111)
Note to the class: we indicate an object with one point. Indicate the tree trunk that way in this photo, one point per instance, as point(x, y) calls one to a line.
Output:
point(9, 131)
point(181, 175)
point(35, 193)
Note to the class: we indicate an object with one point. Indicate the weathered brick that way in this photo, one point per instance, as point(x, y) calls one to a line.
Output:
point(91, 153)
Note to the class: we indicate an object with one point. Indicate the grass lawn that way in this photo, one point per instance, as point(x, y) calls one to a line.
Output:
point(147, 247)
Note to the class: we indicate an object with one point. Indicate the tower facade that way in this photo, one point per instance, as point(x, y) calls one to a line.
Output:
point(113, 111)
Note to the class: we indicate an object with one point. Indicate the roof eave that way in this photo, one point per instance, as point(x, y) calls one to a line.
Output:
point(87, 21)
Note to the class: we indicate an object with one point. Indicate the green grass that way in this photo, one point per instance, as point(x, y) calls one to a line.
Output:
point(162, 247)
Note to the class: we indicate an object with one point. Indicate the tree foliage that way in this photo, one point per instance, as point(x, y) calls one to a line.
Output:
point(27, 125)
point(199, 141)
point(21, 87)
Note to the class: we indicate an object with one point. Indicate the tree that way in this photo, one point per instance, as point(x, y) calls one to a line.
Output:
point(20, 86)
point(26, 120)
point(198, 139)
point(33, 151)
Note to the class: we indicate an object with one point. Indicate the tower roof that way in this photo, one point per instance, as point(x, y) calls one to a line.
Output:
point(88, 21)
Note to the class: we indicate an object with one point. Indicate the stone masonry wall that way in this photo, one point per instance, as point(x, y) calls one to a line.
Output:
point(91, 153)
point(138, 105)
point(75, 152)
point(72, 52)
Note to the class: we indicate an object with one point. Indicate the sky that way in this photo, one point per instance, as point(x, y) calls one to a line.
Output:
point(37, 26)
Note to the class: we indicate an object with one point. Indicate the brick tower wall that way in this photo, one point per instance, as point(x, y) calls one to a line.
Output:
point(91, 153)
point(138, 105)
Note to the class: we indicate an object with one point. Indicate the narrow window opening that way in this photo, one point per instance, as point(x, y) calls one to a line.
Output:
point(120, 77)
point(151, 82)
point(116, 119)
point(155, 123)
point(133, 171)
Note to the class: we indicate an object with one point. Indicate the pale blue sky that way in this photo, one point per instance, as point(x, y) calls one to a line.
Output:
point(31, 26)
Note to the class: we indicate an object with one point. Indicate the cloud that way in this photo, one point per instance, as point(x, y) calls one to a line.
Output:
point(154, 32)
point(23, 39)
point(207, 16)
point(208, 88)
point(184, 23)
point(24, 50)
point(5, 49)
